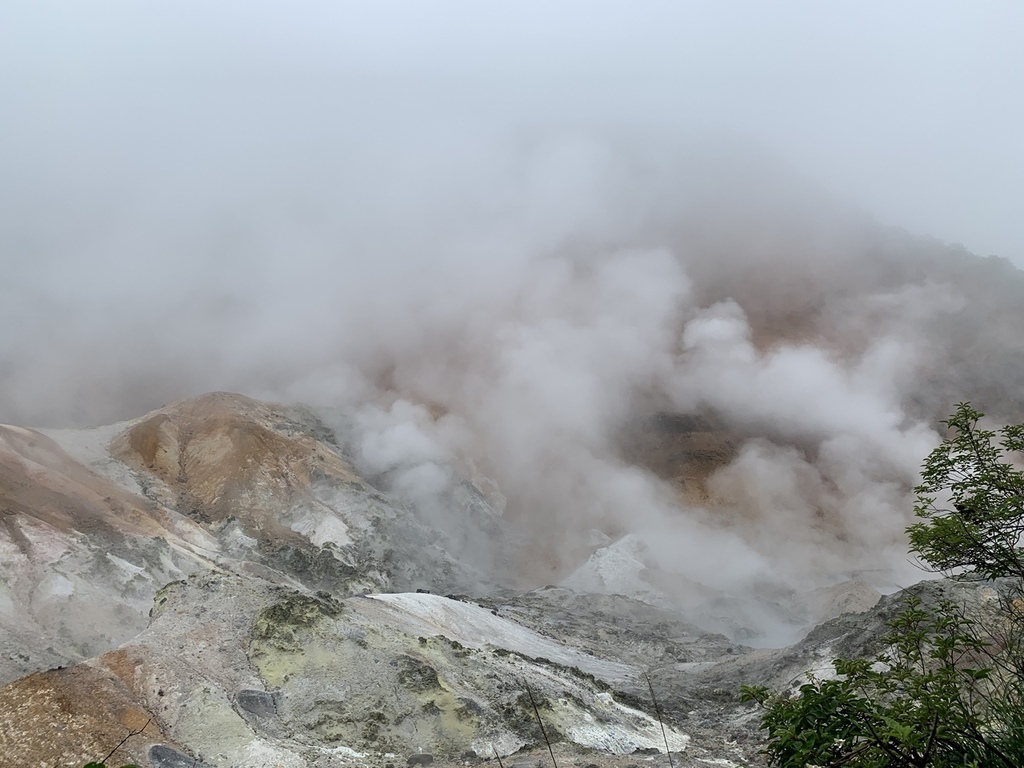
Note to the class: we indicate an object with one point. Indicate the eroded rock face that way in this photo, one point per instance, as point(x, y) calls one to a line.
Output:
point(277, 490)
point(237, 671)
point(88, 535)
point(244, 599)
point(221, 455)
point(69, 717)
point(80, 556)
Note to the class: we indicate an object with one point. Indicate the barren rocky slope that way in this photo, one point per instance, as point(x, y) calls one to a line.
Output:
point(215, 578)
point(216, 482)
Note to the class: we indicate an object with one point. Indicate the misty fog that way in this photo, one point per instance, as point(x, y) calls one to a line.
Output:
point(491, 241)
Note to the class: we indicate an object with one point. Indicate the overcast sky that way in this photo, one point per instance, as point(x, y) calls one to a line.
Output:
point(914, 111)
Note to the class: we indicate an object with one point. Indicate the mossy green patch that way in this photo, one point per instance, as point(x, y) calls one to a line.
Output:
point(453, 720)
point(454, 726)
point(311, 659)
point(162, 596)
point(416, 675)
point(280, 622)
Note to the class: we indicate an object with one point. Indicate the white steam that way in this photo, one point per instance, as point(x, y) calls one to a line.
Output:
point(505, 328)
point(496, 278)
point(529, 395)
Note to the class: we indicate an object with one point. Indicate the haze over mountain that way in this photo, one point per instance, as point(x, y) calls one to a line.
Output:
point(615, 300)
point(511, 297)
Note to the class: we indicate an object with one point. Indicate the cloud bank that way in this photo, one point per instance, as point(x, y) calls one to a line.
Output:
point(488, 266)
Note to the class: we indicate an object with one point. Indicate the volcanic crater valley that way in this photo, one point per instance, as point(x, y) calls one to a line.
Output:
point(217, 582)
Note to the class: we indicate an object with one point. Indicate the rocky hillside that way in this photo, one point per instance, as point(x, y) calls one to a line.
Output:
point(96, 521)
point(216, 580)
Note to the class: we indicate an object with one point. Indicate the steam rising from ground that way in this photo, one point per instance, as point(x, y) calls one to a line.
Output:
point(497, 302)
point(507, 327)
point(530, 393)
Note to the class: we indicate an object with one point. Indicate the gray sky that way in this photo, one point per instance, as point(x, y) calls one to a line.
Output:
point(912, 110)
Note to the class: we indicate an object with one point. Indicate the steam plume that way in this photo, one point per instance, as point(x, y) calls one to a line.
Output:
point(492, 299)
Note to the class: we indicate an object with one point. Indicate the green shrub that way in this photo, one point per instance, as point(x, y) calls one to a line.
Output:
point(948, 691)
